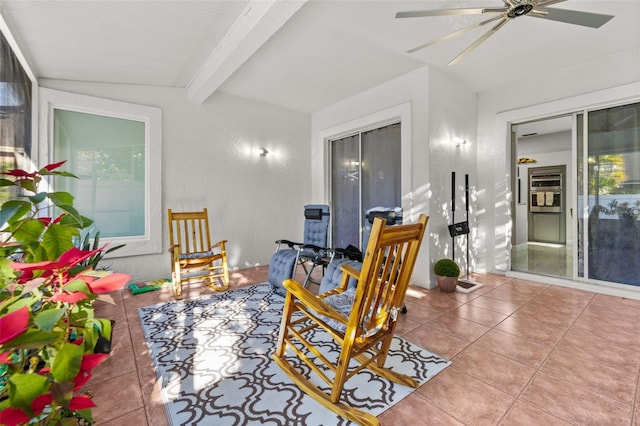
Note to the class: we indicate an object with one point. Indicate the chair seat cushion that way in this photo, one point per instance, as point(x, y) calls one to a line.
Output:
point(197, 255)
point(341, 302)
point(281, 267)
point(333, 274)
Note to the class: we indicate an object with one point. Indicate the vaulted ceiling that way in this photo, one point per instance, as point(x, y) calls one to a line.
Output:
point(301, 54)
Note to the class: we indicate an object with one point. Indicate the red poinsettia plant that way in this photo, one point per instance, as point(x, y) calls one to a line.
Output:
point(50, 339)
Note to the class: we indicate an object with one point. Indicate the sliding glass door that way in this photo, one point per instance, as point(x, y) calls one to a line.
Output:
point(592, 160)
point(365, 173)
point(608, 159)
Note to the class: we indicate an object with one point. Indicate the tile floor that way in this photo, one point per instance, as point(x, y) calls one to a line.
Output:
point(523, 353)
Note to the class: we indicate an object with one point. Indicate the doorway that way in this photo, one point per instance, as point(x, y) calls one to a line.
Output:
point(599, 151)
point(543, 240)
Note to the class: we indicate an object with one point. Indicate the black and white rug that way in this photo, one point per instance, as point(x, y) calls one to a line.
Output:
point(213, 355)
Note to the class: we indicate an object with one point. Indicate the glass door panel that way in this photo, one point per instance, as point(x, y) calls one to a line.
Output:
point(345, 191)
point(365, 173)
point(613, 187)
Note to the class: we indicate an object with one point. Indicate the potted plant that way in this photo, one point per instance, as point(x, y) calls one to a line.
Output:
point(447, 272)
point(48, 331)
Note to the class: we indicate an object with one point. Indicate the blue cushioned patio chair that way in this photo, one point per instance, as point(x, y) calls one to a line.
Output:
point(309, 254)
point(193, 257)
point(392, 216)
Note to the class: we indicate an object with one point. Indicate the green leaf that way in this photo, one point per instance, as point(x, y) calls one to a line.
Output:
point(32, 339)
point(6, 182)
point(90, 335)
point(27, 184)
point(57, 239)
point(13, 210)
point(77, 285)
point(38, 198)
point(24, 388)
point(104, 327)
point(76, 221)
point(29, 231)
point(45, 172)
point(61, 198)
point(20, 301)
point(73, 217)
point(47, 319)
point(66, 364)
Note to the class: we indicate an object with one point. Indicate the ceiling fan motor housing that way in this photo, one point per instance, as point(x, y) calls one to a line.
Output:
point(521, 8)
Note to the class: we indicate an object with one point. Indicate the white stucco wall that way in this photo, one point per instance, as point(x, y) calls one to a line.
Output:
point(434, 110)
point(210, 159)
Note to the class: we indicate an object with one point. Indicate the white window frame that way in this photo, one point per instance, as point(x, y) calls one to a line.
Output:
point(49, 100)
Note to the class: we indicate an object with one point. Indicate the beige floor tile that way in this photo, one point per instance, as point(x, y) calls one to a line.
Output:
point(421, 312)
point(466, 398)
point(510, 378)
point(416, 410)
point(575, 404)
point(136, 417)
point(531, 329)
point(120, 361)
point(523, 414)
point(461, 328)
point(603, 379)
point(478, 315)
point(582, 344)
point(115, 397)
point(442, 344)
point(516, 348)
point(497, 305)
point(514, 293)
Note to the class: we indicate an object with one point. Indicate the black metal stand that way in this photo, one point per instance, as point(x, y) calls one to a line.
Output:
point(462, 228)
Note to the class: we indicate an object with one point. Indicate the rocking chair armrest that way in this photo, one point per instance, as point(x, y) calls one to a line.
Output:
point(348, 272)
point(174, 249)
point(312, 301)
point(220, 244)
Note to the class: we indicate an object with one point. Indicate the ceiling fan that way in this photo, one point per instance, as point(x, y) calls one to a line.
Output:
point(512, 9)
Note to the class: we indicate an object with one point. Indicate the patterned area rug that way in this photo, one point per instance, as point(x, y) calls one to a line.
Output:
point(213, 355)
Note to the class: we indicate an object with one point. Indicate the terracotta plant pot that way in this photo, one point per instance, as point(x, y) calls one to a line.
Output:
point(447, 284)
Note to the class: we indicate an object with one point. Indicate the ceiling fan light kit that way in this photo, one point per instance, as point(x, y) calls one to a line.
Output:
point(512, 9)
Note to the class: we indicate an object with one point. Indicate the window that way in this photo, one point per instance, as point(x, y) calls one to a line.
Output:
point(115, 150)
point(15, 115)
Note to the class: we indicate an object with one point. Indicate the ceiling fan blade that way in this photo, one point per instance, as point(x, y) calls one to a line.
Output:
point(545, 3)
point(445, 12)
point(454, 34)
point(479, 41)
point(585, 19)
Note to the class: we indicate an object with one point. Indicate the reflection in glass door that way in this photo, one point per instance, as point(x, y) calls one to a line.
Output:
point(365, 173)
point(608, 161)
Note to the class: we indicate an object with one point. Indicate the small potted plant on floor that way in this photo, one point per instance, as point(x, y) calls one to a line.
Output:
point(447, 272)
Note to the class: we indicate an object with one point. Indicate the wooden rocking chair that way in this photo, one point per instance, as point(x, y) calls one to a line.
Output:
point(193, 257)
point(361, 320)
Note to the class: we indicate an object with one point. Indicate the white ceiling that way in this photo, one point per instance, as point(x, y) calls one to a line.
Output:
point(303, 55)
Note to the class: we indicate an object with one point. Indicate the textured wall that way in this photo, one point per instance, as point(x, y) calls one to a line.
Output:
point(211, 159)
point(440, 110)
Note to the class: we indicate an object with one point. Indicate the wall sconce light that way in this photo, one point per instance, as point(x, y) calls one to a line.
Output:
point(460, 142)
point(263, 152)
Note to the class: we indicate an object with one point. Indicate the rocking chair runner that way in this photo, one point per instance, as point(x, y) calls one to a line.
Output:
point(193, 257)
point(361, 320)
